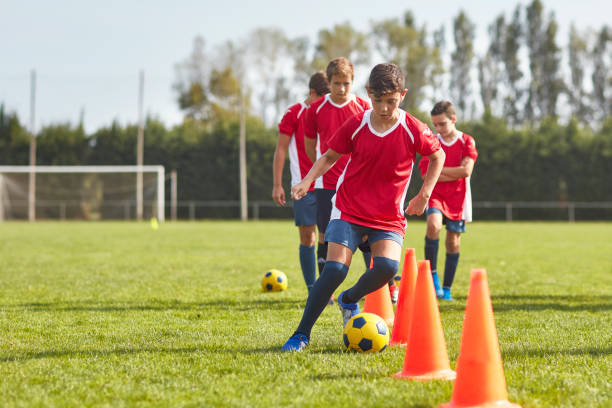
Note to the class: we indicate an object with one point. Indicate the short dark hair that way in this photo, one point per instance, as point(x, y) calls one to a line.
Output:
point(318, 82)
point(443, 107)
point(385, 79)
point(340, 66)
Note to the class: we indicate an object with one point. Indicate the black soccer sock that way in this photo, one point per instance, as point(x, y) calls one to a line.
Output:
point(384, 269)
point(333, 275)
point(431, 253)
point(321, 256)
point(367, 258)
point(450, 267)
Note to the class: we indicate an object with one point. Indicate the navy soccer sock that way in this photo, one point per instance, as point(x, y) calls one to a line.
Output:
point(333, 275)
point(367, 258)
point(384, 269)
point(450, 267)
point(308, 262)
point(431, 253)
point(321, 256)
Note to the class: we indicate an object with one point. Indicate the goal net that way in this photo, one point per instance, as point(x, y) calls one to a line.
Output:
point(81, 192)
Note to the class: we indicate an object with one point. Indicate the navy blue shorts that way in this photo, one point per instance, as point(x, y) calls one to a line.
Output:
point(451, 225)
point(351, 235)
point(305, 210)
point(324, 207)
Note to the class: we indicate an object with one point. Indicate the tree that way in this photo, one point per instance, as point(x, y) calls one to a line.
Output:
point(191, 83)
point(578, 57)
point(14, 139)
point(342, 41)
point(461, 60)
point(602, 73)
point(406, 45)
point(490, 65)
point(436, 73)
point(513, 73)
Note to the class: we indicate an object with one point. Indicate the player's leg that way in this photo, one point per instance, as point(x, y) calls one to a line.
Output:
point(453, 241)
point(305, 215)
point(386, 249)
point(324, 208)
point(432, 238)
point(334, 273)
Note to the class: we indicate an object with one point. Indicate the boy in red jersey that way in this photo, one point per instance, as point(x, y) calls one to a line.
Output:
point(291, 138)
point(451, 201)
point(323, 118)
point(383, 143)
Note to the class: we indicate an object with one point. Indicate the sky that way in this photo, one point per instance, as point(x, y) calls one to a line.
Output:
point(87, 55)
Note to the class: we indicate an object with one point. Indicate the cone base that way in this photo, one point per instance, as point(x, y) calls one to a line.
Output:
point(397, 343)
point(495, 404)
point(447, 374)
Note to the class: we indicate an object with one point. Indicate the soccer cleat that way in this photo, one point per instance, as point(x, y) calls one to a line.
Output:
point(394, 292)
point(437, 286)
point(348, 310)
point(297, 342)
point(446, 295)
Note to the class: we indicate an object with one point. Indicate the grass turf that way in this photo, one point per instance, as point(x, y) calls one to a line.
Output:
point(117, 314)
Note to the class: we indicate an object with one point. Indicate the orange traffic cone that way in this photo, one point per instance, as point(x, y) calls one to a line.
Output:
point(403, 311)
point(480, 374)
point(379, 302)
point(426, 356)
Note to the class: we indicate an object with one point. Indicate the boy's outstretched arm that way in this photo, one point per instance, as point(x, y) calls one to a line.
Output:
point(310, 146)
point(320, 167)
point(417, 205)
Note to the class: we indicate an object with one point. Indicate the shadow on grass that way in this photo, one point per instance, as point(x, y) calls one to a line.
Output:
point(567, 303)
point(117, 306)
point(580, 351)
point(20, 356)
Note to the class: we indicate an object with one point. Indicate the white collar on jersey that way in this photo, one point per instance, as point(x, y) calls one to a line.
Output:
point(350, 99)
point(452, 142)
point(400, 119)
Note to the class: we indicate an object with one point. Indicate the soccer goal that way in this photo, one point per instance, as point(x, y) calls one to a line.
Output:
point(81, 192)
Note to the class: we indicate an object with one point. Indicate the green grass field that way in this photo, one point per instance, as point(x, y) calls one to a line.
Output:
point(117, 314)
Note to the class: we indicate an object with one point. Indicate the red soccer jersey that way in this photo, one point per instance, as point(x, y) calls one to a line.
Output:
point(323, 118)
point(453, 198)
point(372, 189)
point(292, 125)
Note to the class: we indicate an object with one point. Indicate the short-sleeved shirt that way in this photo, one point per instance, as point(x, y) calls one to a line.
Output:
point(453, 198)
point(292, 125)
point(372, 190)
point(323, 118)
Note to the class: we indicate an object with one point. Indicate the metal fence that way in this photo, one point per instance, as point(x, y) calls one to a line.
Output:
point(225, 209)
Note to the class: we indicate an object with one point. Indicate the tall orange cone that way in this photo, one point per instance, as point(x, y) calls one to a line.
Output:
point(480, 374)
point(379, 302)
point(426, 355)
point(403, 311)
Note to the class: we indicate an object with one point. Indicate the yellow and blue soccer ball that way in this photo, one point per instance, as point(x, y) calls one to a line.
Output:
point(366, 333)
point(397, 279)
point(274, 281)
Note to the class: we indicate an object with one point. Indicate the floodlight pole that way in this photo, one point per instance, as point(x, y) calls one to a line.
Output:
point(32, 176)
point(243, 176)
point(173, 194)
point(140, 148)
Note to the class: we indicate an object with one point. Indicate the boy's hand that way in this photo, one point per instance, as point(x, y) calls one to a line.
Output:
point(299, 190)
point(417, 205)
point(278, 195)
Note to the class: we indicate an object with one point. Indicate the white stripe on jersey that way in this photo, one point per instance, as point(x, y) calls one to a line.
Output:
point(336, 213)
point(402, 203)
point(467, 207)
point(364, 121)
point(319, 180)
point(405, 125)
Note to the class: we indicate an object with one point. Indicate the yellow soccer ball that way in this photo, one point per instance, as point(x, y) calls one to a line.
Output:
point(274, 281)
point(366, 333)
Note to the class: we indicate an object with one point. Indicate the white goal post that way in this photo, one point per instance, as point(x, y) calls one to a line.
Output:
point(158, 194)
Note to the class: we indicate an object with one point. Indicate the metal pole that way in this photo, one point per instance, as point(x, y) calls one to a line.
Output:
point(140, 148)
point(508, 212)
point(161, 194)
point(243, 180)
point(173, 194)
point(32, 178)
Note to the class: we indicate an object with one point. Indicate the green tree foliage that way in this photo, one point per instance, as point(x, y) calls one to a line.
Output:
point(513, 74)
point(62, 144)
point(341, 41)
point(578, 57)
point(490, 65)
point(405, 44)
point(602, 73)
point(461, 60)
point(191, 84)
point(14, 140)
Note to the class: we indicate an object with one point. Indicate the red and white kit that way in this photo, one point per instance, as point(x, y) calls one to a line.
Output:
point(453, 198)
point(373, 187)
point(323, 118)
point(292, 125)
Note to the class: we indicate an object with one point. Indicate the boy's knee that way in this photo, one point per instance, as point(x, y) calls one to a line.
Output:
point(385, 266)
point(334, 272)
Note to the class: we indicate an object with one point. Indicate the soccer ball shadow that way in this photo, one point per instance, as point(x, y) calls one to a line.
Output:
point(274, 281)
point(366, 333)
